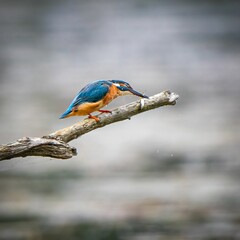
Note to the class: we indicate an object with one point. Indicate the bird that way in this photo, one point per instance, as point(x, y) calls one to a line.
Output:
point(96, 95)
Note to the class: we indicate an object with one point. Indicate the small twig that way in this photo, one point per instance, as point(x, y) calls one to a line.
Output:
point(55, 144)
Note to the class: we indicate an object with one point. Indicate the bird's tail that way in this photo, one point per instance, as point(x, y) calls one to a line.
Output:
point(66, 113)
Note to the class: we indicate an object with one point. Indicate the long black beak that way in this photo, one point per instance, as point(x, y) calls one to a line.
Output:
point(137, 93)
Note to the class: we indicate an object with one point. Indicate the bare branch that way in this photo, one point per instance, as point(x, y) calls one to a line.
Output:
point(28, 146)
point(55, 144)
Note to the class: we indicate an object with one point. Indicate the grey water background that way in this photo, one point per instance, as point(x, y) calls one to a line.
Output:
point(170, 173)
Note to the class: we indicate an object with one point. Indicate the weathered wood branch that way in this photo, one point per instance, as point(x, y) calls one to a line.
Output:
point(55, 144)
point(34, 146)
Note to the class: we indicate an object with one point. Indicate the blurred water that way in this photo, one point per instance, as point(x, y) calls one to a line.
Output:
point(171, 173)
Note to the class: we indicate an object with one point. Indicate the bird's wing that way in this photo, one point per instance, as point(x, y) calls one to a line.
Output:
point(93, 92)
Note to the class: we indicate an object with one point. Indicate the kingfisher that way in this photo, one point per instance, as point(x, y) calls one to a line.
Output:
point(96, 95)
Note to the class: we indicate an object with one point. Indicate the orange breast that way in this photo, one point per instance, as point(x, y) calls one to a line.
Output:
point(87, 108)
point(112, 93)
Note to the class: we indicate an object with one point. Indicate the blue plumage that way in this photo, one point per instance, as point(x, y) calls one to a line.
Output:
point(93, 92)
point(68, 111)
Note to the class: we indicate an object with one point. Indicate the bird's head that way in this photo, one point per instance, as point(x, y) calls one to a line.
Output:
point(126, 89)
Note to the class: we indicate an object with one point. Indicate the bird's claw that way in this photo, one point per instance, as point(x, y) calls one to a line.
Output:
point(94, 117)
point(105, 111)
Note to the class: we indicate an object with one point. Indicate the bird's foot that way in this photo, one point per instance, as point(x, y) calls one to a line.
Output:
point(94, 117)
point(105, 111)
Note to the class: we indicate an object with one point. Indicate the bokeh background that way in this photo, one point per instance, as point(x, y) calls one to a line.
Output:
point(170, 173)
